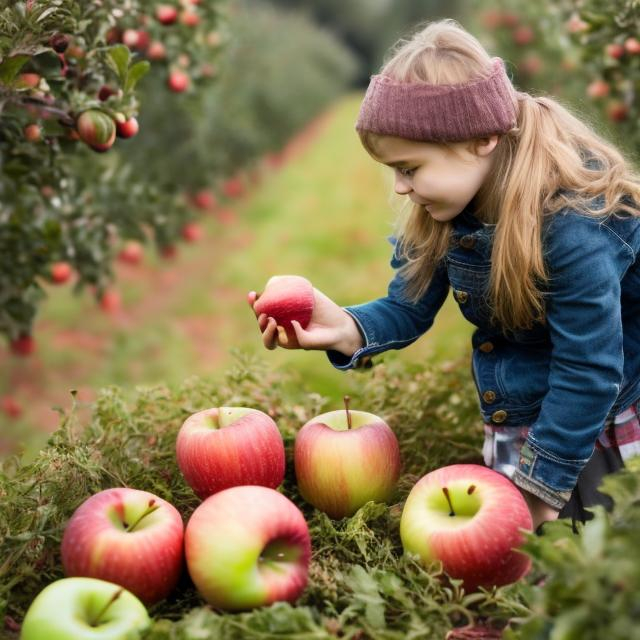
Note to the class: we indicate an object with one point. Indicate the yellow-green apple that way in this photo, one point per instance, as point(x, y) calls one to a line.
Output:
point(224, 447)
point(470, 518)
point(287, 298)
point(247, 547)
point(129, 537)
point(84, 609)
point(344, 459)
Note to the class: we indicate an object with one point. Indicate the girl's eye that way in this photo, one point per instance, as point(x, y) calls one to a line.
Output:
point(405, 172)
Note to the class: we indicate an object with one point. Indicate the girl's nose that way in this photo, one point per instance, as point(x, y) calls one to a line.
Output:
point(402, 186)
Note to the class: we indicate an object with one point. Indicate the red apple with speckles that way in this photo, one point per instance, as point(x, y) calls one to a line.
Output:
point(127, 129)
point(61, 272)
point(131, 252)
point(632, 46)
point(166, 14)
point(110, 301)
point(246, 547)
point(470, 518)
point(614, 50)
point(126, 536)
point(192, 232)
point(523, 35)
point(287, 298)
point(598, 89)
point(32, 133)
point(178, 81)
point(225, 447)
point(344, 459)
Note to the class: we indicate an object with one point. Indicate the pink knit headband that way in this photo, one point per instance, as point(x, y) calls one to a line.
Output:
point(445, 112)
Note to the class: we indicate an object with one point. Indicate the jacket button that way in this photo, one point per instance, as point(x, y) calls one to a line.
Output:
point(499, 416)
point(461, 296)
point(486, 347)
point(489, 396)
point(467, 242)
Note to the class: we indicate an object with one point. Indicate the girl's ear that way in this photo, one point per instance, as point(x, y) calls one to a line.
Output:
point(484, 146)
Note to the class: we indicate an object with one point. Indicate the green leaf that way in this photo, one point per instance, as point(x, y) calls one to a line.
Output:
point(135, 73)
point(10, 68)
point(118, 59)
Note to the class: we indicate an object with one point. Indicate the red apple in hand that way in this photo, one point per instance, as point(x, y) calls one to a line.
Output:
point(287, 298)
point(344, 459)
point(128, 537)
point(247, 547)
point(228, 446)
point(470, 518)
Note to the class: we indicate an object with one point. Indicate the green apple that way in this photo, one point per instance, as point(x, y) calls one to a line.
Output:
point(84, 609)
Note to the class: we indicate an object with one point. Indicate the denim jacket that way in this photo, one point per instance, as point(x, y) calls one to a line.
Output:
point(565, 379)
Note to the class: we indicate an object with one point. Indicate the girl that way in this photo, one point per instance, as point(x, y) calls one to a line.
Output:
point(531, 219)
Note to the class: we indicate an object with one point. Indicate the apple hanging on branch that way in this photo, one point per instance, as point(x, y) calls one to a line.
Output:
point(246, 547)
point(129, 537)
point(224, 447)
point(344, 459)
point(84, 608)
point(470, 518)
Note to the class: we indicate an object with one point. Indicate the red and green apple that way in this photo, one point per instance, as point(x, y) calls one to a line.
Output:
point(129, 537)
point(344, 459)
point(470, 518)
point(247, 547)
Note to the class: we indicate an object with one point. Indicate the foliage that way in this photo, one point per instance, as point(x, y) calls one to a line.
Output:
point(369, 27)
point(360, 584)
point(583, 51)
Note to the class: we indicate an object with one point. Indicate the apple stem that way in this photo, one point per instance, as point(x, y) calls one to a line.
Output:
point(96, 621)
point(471, 489)
point(150, 509)
point(446, 495)
point(347, 400)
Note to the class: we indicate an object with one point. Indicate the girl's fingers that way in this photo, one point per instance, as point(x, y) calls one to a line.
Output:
point(269, 334)
point(262, 321)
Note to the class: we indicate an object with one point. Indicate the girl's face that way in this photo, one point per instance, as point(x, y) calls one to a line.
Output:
point(443, 180)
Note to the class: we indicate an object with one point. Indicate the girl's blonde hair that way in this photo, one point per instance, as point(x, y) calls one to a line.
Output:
point(542, 154)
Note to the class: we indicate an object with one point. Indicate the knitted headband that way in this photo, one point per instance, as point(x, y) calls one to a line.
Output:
point(446, 112)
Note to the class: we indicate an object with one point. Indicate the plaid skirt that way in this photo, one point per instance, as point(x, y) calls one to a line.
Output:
point(619, 441)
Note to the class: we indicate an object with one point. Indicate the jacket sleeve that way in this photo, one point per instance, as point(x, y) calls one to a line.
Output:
point(393, 322)
point(586, 262)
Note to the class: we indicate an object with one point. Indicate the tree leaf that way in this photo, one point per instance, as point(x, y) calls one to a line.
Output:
point(118, 59)
point(135, 73)
point(10, 67)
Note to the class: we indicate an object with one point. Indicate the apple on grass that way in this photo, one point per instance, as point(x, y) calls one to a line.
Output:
point(246, 547)
point(344, 459)
point(129, 537)
point(224, 447)
point(287, 298)
point(470, 518)
point(84, 609)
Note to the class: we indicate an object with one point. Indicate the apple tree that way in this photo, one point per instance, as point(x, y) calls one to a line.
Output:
point(69, 74)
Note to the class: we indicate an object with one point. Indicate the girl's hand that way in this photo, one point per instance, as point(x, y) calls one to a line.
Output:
point(540, 510)
point(330, 327)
